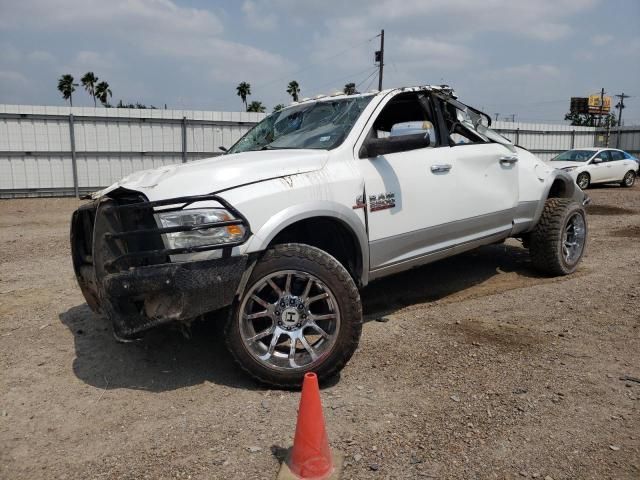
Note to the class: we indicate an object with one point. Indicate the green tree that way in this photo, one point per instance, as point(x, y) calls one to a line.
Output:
point(67, 87)
point(293, 89)
point(278, 107)
point(256, 106)
point(103, 92)
point(89, 81)
point(244, 90)
point(350, 89)
point(586, 120)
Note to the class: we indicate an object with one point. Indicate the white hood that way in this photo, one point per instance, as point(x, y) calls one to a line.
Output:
point(219, 173)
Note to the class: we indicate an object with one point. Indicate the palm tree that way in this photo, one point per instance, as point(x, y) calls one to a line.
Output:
point(244, 90)
point(256, 106)
point(278, 107)
point(350, 89)
point(103, 92)
point(89, 81)
point(67, 87)
point(293, 89)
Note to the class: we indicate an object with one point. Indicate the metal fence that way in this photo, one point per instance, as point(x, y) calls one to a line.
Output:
point(546, 140)
point(59, 151)
point(624, 138)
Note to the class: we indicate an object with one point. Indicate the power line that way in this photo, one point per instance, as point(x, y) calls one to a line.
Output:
point(312, 64)
point(349, 76)
point(375, 70)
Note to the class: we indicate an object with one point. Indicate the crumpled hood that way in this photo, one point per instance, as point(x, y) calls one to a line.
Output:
point(219, 173)
point(565, 163)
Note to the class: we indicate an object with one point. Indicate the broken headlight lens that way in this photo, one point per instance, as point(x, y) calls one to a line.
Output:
point(207, 236)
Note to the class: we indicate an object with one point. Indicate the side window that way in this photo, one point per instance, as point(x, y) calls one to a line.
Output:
point(460, 126)
point(603, 156)
point(405, 115)
point(616, 155)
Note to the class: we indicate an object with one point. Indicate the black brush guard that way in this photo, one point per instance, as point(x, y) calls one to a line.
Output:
point(124, 269)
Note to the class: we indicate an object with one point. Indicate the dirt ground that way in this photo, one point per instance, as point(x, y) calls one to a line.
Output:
point(474, 367)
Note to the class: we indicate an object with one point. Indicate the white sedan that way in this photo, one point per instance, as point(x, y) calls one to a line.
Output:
point(588, 166)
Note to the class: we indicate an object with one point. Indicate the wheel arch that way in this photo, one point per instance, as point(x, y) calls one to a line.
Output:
point(294, 225)
point(559, 185)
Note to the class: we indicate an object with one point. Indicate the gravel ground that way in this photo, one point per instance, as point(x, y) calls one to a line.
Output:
point(473, 367)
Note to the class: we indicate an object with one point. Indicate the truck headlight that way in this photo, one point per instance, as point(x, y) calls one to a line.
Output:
point(207, 236)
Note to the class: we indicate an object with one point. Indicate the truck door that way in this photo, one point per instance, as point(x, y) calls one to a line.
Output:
point(423, 199)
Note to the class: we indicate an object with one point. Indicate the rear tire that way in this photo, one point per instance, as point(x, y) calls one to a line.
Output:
point(559, 239)
point(272, 332)
point(629, 179)
point(583, 180)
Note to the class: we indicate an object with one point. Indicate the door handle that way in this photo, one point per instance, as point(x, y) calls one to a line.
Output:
point(509, 160)
point(440, 168)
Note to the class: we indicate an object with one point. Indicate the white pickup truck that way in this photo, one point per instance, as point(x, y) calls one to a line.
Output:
point(311, 205)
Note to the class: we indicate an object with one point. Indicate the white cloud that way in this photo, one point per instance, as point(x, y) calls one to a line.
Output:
point(10, 77)
point(601, 40)
point(40, 57)
point(118, 15)
point(529, 70)
point(430, 52)
point(259, 18)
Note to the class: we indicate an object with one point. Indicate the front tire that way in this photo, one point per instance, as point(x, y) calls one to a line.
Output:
point(560, 237)
point(300, 312)
point(629, 179)
point(583, 180)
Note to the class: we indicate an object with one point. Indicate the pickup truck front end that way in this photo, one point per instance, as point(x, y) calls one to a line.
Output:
point(133, 258)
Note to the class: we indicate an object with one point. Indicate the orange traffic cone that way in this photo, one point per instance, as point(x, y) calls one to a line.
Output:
point(310, 457)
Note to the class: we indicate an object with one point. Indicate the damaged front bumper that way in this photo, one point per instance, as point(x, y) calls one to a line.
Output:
point(124, 268)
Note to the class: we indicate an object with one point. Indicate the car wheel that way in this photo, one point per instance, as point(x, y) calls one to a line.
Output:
point(559, 239)
point(629, 179)
point(583, 180)
point(300, 312)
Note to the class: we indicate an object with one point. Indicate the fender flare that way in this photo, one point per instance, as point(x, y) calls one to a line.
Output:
point(571, 191)
point(261, 239)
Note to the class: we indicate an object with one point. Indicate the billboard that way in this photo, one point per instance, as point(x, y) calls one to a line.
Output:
point(579, 105)
point(599, 105)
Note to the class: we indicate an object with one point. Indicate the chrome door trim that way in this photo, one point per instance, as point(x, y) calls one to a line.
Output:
point(405, 246)
point(438, 254)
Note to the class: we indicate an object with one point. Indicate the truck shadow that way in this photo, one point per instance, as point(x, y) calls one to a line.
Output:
point(164, 359)
point(485, 271)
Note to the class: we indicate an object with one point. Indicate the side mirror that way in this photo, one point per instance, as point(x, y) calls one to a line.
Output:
point(596, 160)
point(375, 147)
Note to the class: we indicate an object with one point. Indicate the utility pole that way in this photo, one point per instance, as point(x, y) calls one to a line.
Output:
point(620, 106)
point(380, 59)
point(497, 114)
point(601, 107)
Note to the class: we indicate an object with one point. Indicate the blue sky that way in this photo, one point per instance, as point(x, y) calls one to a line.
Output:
point(507, 56)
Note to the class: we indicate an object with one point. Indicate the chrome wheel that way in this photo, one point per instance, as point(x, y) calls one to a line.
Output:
point(575, 233)
point(583, 181)
point(629, 178)
point(289, 320)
